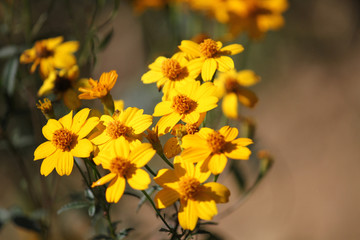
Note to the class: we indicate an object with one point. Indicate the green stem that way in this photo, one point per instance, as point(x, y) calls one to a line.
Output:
point(150, 170)
point(166, 160)
point(111, 227)
point(157, 211)
point(216, 177)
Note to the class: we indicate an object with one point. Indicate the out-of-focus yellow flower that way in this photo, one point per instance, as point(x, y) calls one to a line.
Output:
point(256, 16)
point(66, 140)
point(124, 163)
point(128, 124)
point(119, 105)
point(142, 5)
point(212, 148)
point(197, 199)
point(186, 102)
point(169, 72)
point(210, 56)
point(232, 85)
point(50, 54)
point(64, 84)
point(101, 88)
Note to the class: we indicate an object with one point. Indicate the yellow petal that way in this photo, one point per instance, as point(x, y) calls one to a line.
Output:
point(50, 163)
point(142, 154)
point(157, 64)
point(167, 178)
point(163, 108)
point(206, 209)
point(166, 197)
point(63, 60)
point(166, 123)
point(138, 179)
point(205, 90)
point(68, 47)
point(247, 78)
point(242, 141)
point(104, 179)
point(225, 63)
point(194, 67)
point(89, 125)
point(242, 153)
point(216, 191)
point(172, 148)
point(140, 123)
point(217, 163)
point(48, 85)
point(151, 76)
point(247, 97)
point(201, 175)
point(207, 103)
point(195, 154)
point(190, 48)
point(232, 49)
point(51, 126)
point(115, 189)
point(101, 138)
point(79, 120)
point(65, 163)
point(82, 149)
point(192, 140)
point(187, 214)
point(51, 43)
point(230, 105)
point(208, 69)
point(121, 147)
point(43, 150)
point(191, 118)
point(229, 133)
point(66, 121)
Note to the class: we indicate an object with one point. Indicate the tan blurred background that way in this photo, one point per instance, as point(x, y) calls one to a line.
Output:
point(307, 117)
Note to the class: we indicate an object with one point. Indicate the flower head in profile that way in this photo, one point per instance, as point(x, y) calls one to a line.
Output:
point(169, 72)
point(50, 54)
point(186, 102)
point(210, 56)
point(124, 163)
point(66, 140)
point(186, 183)
point(212, 148)
point(101, 88)
point(232, 86)
point(64, 85)
point(127, 124)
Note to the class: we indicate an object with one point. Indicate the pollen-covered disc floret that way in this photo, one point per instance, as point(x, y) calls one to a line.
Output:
point(189, 187)
point(183, 104)
point(216, 141)
point(171, 68)
point(115, 129)
point(120, 166)
point(64, 139)
point(208, 48)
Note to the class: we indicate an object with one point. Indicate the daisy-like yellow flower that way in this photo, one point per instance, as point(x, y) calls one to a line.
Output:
point(128, 124)
point(101, 88)
point(66, 140)
point(64, 84)
point(212, 148)
point(186, 102)
point(124, 163)
point(169, 72)
point(50, 54)
point(232, 86)
point(210, 56)
point(186, 183)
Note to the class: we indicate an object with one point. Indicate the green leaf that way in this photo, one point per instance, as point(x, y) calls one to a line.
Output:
point(9, 74)
point(239, 176)
point(124, 233)
point(92, 210)
point(73, 205)
point(27, 223)
point(8, 51)
point(103, 44)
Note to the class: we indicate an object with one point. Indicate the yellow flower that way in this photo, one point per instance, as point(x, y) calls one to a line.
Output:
point(197, 199)
point(64, 85)
point(50, 54)
point(169, 72)
point(210, 56)
point(128, 124)
point(46, 108)
point(186, 102)
point(212, 148)
point(119, 105)
point(142, 5)
point(257, 17)
point(66, 140)
point(232, 84)
point(124, 163)
point(101, 88)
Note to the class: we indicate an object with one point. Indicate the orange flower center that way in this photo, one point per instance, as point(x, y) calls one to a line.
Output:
point(171, 69)
point(216, 142)
point(231, 85)
point(183, 104)
point(189, 187)
point(64, 139)
point(42, 51)
point(191, 128)
point(208, 48)
point(115, 129)
point(120, 166)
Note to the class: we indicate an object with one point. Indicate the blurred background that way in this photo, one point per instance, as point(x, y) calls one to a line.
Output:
point(307, 117)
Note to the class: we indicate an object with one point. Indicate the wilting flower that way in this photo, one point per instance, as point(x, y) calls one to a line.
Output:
point(212, 148)
point(66, 140)
point(186, 102)
point(127, 124)
point(46, 108)
point(124, 163)
point(101, 88)
point(50, 54)
point(169, 72)
point(64, 84)
point(197, 199)
point(232, 85)
point(210, 56)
